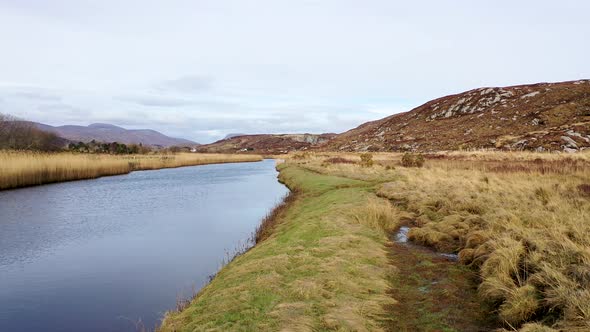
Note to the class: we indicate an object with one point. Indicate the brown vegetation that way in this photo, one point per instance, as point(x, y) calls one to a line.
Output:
point(366, 159)
point(520, 220)
point(412, 160)
point(535, 117)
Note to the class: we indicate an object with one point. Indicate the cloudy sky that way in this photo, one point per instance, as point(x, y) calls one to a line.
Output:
point(203, 69)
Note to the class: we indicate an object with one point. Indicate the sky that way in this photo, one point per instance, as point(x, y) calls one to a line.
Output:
point(203, 69)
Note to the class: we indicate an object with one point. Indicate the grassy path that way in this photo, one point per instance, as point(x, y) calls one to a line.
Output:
point(325, 267)
point(434, 294)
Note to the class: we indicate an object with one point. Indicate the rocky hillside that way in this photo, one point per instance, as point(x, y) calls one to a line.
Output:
point(272, 144)
point(102, 132)
point(542, 117)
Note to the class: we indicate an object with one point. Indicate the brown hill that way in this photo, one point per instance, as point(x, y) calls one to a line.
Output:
point(266, 143)
point(544, 116)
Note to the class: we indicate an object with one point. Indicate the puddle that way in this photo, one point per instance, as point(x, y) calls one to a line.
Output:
point(451, 257)
point(402, 237)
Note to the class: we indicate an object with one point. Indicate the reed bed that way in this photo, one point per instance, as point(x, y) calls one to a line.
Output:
point(21, 169)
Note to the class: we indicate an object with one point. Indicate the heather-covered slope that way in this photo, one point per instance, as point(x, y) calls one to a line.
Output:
point(544, 116)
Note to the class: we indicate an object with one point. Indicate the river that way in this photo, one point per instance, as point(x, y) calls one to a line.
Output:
point(105, 254)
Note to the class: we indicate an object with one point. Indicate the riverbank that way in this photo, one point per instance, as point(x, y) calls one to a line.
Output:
point(22, 169)
point(326, 265)
point(321, 267)
point(516, 221)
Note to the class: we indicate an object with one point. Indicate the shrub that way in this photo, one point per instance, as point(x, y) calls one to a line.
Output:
point(367, 159)
point(412, 160)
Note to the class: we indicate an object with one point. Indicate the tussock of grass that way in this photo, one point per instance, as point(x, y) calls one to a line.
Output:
point(535, 327)
point(377, 213)
point(19, 168)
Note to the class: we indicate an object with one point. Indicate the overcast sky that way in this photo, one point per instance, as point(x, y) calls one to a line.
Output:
point(203, 69)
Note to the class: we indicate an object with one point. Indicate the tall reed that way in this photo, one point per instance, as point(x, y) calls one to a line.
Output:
point(20, 169)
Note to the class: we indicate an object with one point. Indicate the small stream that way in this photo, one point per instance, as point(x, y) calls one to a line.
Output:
point(402, 237)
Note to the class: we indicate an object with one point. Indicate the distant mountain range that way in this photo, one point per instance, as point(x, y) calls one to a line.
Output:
point(102, 132)
point(266, 143)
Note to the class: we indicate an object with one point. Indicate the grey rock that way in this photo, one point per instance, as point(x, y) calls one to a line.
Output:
point(569, 142)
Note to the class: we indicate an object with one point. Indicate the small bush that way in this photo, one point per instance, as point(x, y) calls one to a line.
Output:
point(412, 160)
point(367, 159)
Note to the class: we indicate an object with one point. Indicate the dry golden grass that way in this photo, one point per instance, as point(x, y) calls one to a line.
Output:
point(377, 213)
point(19, 169)
point(521, 219)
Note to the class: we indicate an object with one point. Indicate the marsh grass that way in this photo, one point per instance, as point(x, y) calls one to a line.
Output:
point(521, 219)
point(20, 168)
point(528, 236)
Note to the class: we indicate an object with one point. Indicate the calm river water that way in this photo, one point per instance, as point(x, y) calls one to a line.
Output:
point(101, 255)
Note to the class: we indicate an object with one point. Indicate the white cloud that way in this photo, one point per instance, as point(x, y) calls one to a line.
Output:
point(203, 69)
point(186, 84)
